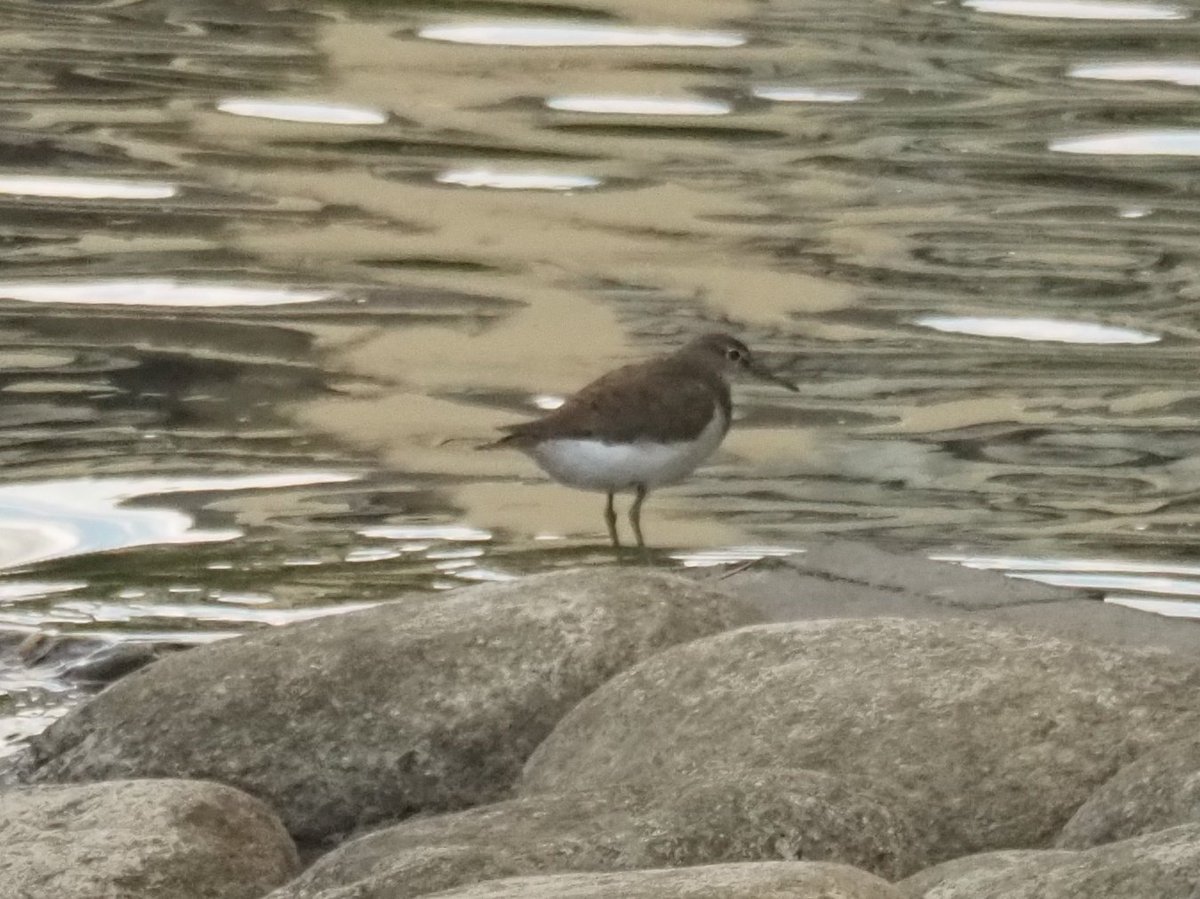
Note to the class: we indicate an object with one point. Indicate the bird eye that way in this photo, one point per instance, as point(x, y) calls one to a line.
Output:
point(733, 355)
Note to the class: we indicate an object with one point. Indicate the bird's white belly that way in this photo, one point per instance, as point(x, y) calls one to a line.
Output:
point(595, 465)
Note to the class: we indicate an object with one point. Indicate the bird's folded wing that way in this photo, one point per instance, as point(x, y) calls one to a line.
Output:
point(623, 406)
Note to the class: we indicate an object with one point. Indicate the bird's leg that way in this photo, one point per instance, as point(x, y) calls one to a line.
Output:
point(610, 519)
point(635, 514)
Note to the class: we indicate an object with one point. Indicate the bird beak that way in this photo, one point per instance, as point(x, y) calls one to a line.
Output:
point(765, 374)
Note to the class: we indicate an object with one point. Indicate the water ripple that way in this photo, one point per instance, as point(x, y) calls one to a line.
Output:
point(45, 520)
point(788, 94)
point(1037, 329)
point(633, 105)
point(307, 111)
point(1148, 142)
point(157, 292)
point(63, 186)
point(1182, 73)
point(560, 34)
point(516, 180)
point(1080, 9)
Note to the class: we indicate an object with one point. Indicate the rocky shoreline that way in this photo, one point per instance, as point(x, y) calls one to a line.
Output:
point(848, 724)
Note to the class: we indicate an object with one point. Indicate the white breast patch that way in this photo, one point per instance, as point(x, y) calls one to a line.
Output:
point(595, 465)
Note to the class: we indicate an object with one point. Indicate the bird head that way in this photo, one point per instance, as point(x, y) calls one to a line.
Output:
point(730, 357)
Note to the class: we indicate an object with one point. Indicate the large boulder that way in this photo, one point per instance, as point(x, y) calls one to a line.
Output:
point(140, 839)
point(749, 880)
point(427, 703)
point(1160, 865)
point(721, 817)
point(998, 736)
point(1159, 790)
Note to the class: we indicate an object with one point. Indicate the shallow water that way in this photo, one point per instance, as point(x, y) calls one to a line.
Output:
point(270, 273)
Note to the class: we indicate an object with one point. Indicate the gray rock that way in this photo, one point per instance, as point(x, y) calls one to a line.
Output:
point(1159, 790)
point(852, 579)
point(724, 817)
point(999, 736)
point(431, 702)
point(966, 875)
point(1161, 865)
point(417, 872)
point(112, 663)
point(749, 880)
point(140, 839)
point(61, 650)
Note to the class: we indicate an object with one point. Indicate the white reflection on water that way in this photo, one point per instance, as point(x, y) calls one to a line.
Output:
point(725, 555)
point(1126, 576)
point(448, 556)
point(516, 180)
point(452, 532)
point(1080, 9)
point(1025, 563)
point(1162, 142)
point(548, 401)
point(1041, 329)
point(567, 34)
point(25, 723)
point(16, 591)
point(241, 597)
point(79, 610)
point(786, 94)
point(1171, 608)
point(156, 292)
point(454, 564)
point(308, 111)
point(456, 552)
point(63, 187)
point(1183, 73)
point(52, 519)
point(636, 105)
point(1144, 583)
point(157, 635)
point(478, 574)
point(372, 554)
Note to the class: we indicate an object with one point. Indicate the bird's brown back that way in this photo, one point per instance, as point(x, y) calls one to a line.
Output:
point(667, 400)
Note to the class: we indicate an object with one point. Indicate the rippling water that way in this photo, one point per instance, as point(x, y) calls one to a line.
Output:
point(269, 273)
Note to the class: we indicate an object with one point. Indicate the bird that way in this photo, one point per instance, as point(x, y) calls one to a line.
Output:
point(640, 426)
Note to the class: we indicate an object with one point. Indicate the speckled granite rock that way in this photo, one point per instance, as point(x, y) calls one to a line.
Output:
point(1159, 790)
point(431, 702)
point(1160, 865)
point(749, 880)
point(140, 839)
point(717, 817)
point(970, 873)
point(998, 735)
